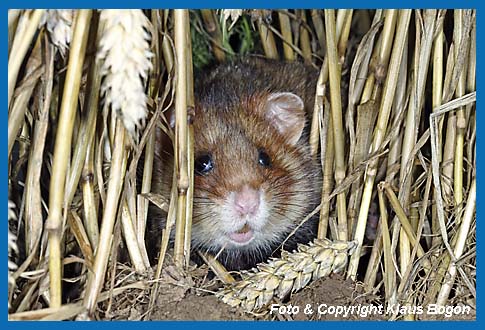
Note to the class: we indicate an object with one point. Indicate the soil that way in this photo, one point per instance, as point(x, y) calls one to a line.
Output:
point(191, 296)
point(179, 300)
point(334, 290)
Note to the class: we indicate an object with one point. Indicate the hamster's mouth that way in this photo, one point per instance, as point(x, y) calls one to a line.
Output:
point(243, 235)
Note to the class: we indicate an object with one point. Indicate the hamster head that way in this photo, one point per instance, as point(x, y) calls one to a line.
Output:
point(255, 180)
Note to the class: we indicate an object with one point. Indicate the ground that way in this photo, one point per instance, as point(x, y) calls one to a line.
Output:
point(182, 297)
point(178, 299)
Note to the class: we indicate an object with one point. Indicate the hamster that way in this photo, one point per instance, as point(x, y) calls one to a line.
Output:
point(255, 180)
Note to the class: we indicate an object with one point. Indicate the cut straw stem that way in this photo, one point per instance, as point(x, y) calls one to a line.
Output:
point(164, 244)
point(13, 19)
point(131, 240)
point(62, 150)
point(338, 130)
point(387, 37)
point(146, 181)
point(344, 35)
point(454, 83)
point(115, 185)
point(319, 28)
point(320, 93)
point(405, 224)
point(217, 268)
point(77, 229)
point(167, 51)
point(360, 68)
point(459, 246)
point(374, 264)
point(87, 129)
point(318, 111)
point(268, 42)
point(389, 270)
point(60, 313)
point(146, 186)
point(213, 28)
point(16, 117)
point(422, 56)
point(437, 94)
point(190, 151)
point(423, 45)
point(305, 46)
point(279, 35)
point(460, 118)
point(190, 196)
point(33, 196)
point(446, 156)
point(29, 22)
point(285, 27)
point(441, 227)
point(181, 19)
point(90, 205)
point(328, 174)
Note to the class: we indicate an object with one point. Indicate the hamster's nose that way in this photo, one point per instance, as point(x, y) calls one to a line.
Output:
point(246, 201)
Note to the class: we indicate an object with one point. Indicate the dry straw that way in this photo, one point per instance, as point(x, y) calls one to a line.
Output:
point(394, 109)
point(55, 223)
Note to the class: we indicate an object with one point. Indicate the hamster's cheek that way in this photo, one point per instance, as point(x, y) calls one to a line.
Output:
point(208, 235)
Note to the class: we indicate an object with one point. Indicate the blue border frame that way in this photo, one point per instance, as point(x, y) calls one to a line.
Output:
point(266, 4)
point(239, 4)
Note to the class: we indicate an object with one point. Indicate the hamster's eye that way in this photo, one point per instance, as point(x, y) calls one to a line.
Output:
point(203, 164)
point(264, 159)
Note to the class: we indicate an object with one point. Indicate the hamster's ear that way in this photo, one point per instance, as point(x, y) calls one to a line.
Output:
point(286, 111)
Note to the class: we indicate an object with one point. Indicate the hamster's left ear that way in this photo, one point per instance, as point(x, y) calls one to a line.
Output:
point(286, 112)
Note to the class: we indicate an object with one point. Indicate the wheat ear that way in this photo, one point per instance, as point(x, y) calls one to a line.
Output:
point(58, 22)
point(288, 274)
point(124, 52)
point(12, 242)
point(233, 14)
point(12, 248)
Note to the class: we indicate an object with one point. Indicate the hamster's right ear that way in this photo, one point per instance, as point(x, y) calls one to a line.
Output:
point(286, 112)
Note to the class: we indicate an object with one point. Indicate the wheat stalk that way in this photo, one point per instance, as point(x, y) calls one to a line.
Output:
point(459, 247)
point(25, 33)
point(334, 75)
point(106, 236)
point(288, 274)
point(379, 133)
point(213, 28)
point(287, 36)
point(181, 29)
point(267, 38)
point(62, 149)
point(124, 52)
